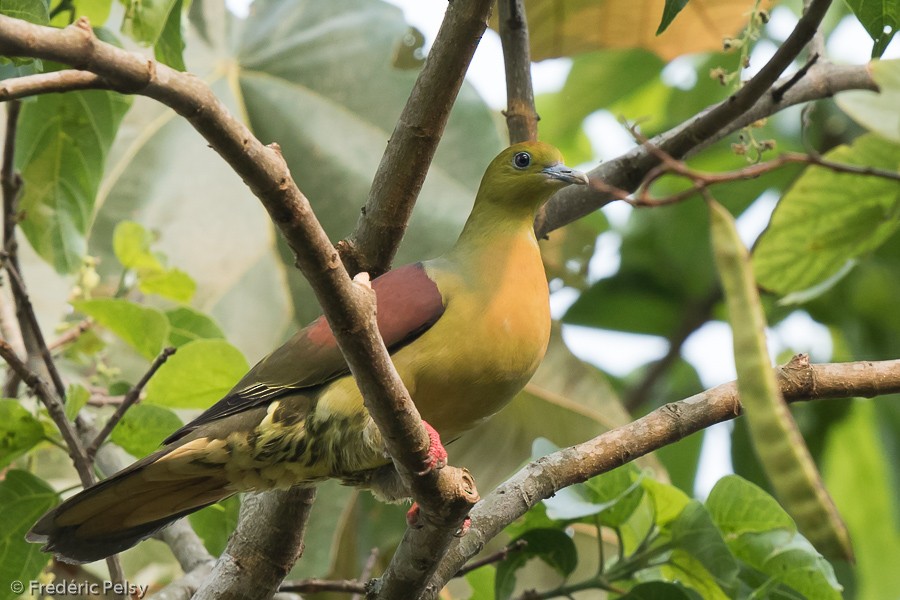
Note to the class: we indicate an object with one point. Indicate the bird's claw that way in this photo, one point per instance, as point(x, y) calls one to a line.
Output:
point(464, 528)
point(437, 455)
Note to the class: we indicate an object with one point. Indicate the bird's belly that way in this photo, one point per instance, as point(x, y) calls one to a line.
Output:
point(465, 374)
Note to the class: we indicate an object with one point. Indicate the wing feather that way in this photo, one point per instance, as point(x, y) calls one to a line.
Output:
point(408, 304)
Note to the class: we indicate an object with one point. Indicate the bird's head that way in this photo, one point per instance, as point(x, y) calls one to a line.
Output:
point(527, 174)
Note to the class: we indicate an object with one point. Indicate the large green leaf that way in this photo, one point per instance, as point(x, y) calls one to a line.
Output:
point(143, 428)
point(142, 327)
point(62, 143)
point(200, 373)
point(828, 219)
point(23, 499)
point(33, 11)
point(881, 20)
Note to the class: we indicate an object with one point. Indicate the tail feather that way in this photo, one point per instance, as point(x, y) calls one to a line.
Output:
point(130, 506)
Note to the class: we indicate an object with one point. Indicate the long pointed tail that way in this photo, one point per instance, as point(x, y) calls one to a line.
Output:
point(132, 505)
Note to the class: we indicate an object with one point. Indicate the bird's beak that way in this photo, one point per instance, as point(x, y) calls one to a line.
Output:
point(561, 172)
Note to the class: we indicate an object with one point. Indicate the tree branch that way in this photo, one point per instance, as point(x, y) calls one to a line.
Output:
point(257, 559)
point(798, 381)
point(349, 307)
point(48, 83)
point(401, 173)
point(711, 125)
point(521, 116)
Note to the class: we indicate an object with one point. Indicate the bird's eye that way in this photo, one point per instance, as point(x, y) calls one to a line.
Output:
point(521, 160)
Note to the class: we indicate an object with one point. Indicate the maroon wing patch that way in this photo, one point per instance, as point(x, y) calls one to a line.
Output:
point(408, 304)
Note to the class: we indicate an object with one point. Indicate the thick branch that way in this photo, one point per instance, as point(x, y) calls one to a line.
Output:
point(405, 163)
point(257, 559)
point(798, 380)
point(521, 116)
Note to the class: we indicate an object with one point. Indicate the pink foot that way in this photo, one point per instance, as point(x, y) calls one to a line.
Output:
point(412, 516)
point(437, 455)
point(464, 528)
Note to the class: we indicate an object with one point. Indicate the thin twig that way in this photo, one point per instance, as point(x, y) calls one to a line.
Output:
point(367, 570)
point(496, 557)
point(55, 409)
point(701, 180)
point(521, 115)
point(313, 585)
point(130, 399)
point(779, 91)
point(27, 314)
point(47, 83)
point(71, 334)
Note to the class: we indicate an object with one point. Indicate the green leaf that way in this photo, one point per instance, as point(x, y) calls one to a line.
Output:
point(173, 284)
point(144, 427)
point(788, 558)
point(145, 20)
point(689, 571)
point(552, 546)
point(858, 464)
point(668, 500)
point(76, 397)
point(877, 111)
point(880, 19)
point(62, 144)
point(738, 506)
point(23, 499)
point(187, 324)
point(620, 490)
point(625, 304)
point(131, 244)
point(33, 11)
point(169, 48)
point(143, 328)
point(215, 523)
point(19, 431)
point(815, 230)
point(776, 437)
point(670, 11)
point(96, 11)
point(200, 373)
point(482, 582)
point(695, 533)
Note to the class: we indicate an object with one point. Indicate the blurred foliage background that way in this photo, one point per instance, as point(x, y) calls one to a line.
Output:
point(131, 220)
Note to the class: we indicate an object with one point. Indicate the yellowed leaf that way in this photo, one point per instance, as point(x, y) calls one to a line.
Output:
point(569, 27)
